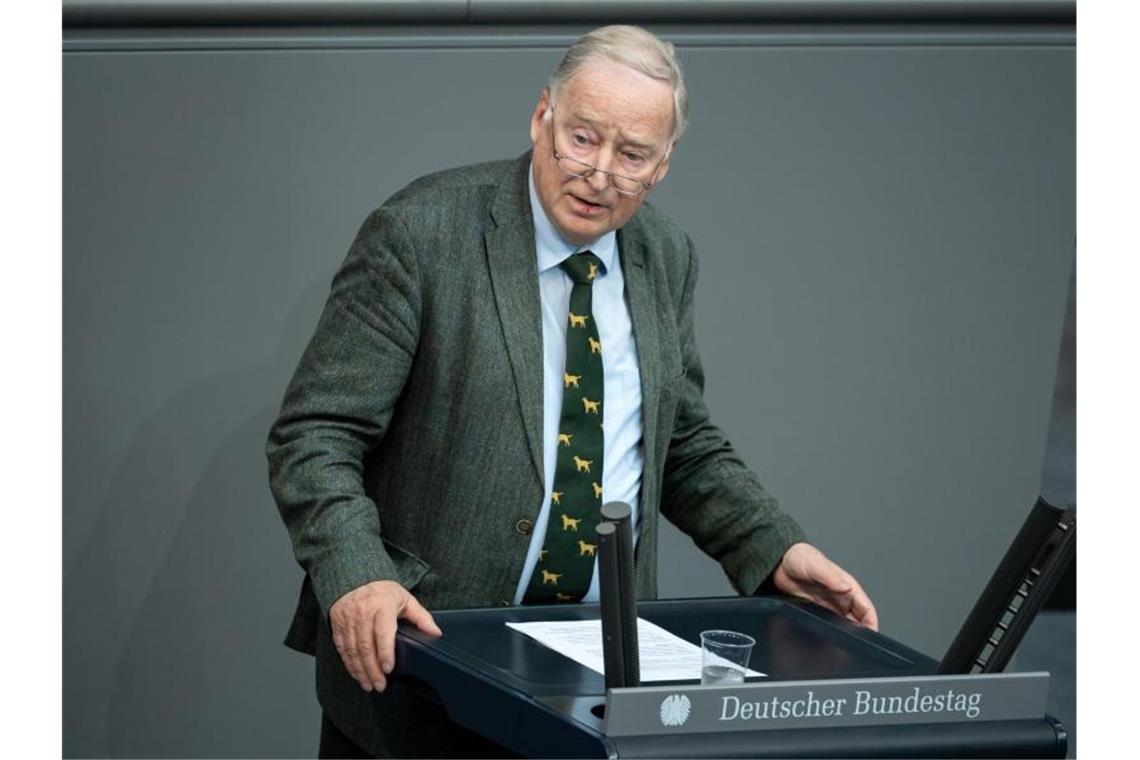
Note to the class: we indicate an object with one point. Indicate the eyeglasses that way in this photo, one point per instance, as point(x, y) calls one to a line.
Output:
point(575, 168)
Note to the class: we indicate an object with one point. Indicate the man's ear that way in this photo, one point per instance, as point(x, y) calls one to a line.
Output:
point(536, 125)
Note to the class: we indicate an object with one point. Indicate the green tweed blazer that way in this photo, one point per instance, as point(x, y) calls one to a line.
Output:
point(409, 443)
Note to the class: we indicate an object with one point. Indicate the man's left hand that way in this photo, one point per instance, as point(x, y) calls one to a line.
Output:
point(806, 572)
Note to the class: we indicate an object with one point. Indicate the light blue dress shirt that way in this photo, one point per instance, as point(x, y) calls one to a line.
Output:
point(621, 408)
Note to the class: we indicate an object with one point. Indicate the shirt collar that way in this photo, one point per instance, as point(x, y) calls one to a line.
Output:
point(548, 243)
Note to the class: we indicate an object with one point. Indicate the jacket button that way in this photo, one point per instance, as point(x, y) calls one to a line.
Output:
point(504, 603)
point(524, 527)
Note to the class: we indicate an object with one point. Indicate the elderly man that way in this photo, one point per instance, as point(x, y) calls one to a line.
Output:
point(506, 347)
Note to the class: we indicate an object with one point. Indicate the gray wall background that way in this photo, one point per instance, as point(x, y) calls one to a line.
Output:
point(886, 223)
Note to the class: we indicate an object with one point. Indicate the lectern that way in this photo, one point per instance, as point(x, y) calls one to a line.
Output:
point(535, 702)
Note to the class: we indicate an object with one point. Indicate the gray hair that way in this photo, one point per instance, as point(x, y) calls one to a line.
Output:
point(636, 48)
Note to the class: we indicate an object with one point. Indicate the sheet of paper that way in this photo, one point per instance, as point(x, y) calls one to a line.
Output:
point(663, 656)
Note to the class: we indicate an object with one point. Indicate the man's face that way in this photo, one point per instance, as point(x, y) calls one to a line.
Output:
point(612, 117)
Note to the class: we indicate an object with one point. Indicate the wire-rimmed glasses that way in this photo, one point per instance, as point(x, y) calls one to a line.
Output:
point(625, 185)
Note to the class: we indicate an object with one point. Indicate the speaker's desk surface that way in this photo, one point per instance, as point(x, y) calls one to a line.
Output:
point(536, 702)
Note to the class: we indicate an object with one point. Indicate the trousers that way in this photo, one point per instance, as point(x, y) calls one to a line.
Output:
point(334, 744)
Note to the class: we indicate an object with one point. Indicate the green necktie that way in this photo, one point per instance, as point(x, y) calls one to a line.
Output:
point(566, 563)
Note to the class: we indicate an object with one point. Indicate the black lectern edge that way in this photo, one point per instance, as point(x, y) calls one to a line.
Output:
point(591, 610)
point(864, 634)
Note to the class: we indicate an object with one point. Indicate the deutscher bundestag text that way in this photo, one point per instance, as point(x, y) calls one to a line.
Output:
point(862, 703)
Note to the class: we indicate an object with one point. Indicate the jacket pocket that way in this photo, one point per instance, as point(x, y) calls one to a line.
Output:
point(410, 569)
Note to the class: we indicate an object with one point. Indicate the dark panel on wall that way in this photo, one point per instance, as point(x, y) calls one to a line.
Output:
point(78, 13)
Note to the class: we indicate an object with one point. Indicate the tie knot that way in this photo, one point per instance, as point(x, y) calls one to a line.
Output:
point(583, 267)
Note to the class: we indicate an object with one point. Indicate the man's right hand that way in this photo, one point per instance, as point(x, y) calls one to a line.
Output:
point(364, 629)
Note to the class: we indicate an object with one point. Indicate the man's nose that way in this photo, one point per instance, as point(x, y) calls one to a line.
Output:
point(598, 180)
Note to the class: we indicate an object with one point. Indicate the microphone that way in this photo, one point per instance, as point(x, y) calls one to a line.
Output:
point(620, 589)
point(613, 639)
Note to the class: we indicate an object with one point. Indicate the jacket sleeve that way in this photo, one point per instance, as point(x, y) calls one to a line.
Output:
point(338, 406)
point(707, 491)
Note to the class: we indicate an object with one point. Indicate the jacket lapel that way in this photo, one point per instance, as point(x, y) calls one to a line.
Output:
point(513, 265)
point(643, 317)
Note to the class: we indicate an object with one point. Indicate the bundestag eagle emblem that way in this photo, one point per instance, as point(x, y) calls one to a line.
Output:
point(675, 710)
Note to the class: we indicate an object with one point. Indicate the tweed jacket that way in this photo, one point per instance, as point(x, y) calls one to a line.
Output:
point(409, 443)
